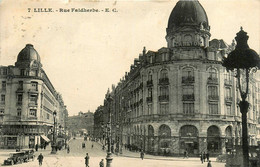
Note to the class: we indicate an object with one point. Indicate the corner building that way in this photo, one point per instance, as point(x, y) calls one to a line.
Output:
point(180, 98)
point(28, 100)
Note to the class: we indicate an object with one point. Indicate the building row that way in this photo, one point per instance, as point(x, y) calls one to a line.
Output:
point(180, 98)
point(29, 103)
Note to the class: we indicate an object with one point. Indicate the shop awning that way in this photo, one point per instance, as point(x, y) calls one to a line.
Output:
point(45, 138)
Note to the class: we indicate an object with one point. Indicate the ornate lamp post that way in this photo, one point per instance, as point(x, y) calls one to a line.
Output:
point(53, 146)
point(243, 61)
point(109, 154)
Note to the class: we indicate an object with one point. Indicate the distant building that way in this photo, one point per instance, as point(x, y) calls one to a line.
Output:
point(28, 100)
point(180, 98)
point(81, 123)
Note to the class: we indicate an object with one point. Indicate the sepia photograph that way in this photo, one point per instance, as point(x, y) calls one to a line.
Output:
point(128, 83)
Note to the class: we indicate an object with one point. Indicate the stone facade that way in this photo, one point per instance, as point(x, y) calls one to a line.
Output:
point(181, 98)
point(28, 100)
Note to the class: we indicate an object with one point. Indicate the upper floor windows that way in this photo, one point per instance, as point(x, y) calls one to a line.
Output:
point(20, 85)
point(34, 86)
point(213, 73)
point(2, 98)
point(187, 75)
point(164, 77)
point(3, 85)
point(33, 113)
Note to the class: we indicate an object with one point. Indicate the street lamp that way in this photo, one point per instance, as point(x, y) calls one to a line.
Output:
point(53, 146)
point(243, 60)
point(109, 154)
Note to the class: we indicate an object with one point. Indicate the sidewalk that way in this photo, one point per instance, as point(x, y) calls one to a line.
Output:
point(131, 154)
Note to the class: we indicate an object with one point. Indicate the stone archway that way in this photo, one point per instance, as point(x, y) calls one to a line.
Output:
point(214, 140)
point(150, 139)
point(164, 134)
point(189, 141)
point(229, 139)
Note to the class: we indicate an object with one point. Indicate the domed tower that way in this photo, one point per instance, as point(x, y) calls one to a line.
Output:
point(188, 25)
point(28, 58)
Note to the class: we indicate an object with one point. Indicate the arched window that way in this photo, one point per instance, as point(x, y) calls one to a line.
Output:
point(187, 75)
point(150, 76)
point(213, 73)
point(163, 74)
point(164, 131)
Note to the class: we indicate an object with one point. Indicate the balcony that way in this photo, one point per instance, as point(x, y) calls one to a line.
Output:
point(164, 81)
point(188, 97)
point(228, 99)
point(149, 83)
point(187, 80)
point(228, 82)
point(33, 90)
point(212, 80)
point(213, 97)
point(32, 104)
point(163, 98)
point(149, 99)
point(19, 103)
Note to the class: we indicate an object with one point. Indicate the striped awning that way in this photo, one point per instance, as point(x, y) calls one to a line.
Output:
point(45, 138)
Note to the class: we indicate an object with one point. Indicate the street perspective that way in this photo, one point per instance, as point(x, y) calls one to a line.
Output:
point(130, 83)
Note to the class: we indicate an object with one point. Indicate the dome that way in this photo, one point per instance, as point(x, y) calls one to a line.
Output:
point(28, 54)
point(188, 12)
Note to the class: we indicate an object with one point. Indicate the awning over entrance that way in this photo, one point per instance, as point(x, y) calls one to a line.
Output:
point(45, 138)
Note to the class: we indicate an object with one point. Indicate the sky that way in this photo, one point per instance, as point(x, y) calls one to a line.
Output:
point(84, 53)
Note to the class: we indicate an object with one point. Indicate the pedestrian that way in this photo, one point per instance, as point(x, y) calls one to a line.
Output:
point(101, 163)
point(185, 154)
point(87, 160)
point(68, 149)
point(201, 157)
point(92, 146)
point(209, 164)
point(36, 147)
point(207, 156)
point(204, 157)
point(142, 154)
point(40, 159)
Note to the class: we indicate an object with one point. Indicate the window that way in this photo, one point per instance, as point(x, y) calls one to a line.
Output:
point(213, 91)
point(228, 110)
point(188, 90)
point(150, 109)
point(150, 76)
point(22, 72)
point(32, 113)
point(2, 111)
point(3, 98)
point(212, 73)
point(188, 72)
point(20, 98)
point(5, 71)
point(150, 92)
point(33, 99)
point(164, 108)
point(213, 108)
point(164, 57)
point(164, 91)
point(19, 112)
point(3, 85)
point(228, 92)
point(34, 86)
point(188, 108)
point(151, 59)
point(163, 74)
point(20, 85)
